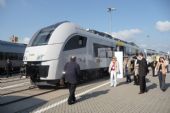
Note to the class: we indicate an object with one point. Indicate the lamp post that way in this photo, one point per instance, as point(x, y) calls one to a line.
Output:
point(109, 10)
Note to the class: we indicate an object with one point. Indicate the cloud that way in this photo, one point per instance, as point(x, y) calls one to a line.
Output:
point(126, 34)
point(2, 3)
point(163, 26)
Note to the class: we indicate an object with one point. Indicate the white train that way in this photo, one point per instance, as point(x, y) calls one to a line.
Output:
point(51, 47)
point(12, 51)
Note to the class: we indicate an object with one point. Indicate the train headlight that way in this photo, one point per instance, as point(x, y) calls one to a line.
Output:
point(40, 57)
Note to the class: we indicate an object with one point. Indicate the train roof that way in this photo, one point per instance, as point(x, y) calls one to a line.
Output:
point(54, 26)
point(12, 47)
point(66, 28)
point(10, 43)
point(105, 35)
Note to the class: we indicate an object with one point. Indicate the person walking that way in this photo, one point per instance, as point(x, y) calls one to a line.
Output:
point(161, 68)
point(143, 70)
point(127, 69)
point(113, 70)
point(8, 68)
point(71, 73)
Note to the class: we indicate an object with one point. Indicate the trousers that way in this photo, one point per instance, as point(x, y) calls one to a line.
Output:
point(113, 78)
point(142, 83)
point(161, 80)
point(72, 89)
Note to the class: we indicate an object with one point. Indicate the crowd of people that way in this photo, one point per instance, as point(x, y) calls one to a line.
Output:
point(136, 66)
point(139, 68)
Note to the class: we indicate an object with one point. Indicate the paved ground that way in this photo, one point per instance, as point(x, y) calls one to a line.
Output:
point(121, 99)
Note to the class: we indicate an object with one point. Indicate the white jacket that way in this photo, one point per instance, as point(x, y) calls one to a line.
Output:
point(116, 66)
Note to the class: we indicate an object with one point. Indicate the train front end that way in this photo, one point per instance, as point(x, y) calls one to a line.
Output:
point(43, 53)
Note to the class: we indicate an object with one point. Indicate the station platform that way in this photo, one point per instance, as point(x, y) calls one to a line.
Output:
point(102, 98)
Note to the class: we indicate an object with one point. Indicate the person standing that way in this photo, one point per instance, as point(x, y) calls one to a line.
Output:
point(8, 68)
point(161, 68)
point(153, 65)
point(23, 71)
point(127, 69)
point(113, 70)
point(167, 64)
point(143, 70)
point(136, 71)
point(72, 71)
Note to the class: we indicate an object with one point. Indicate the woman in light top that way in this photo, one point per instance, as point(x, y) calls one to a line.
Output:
point(127, 69)
point(161, 68)
point(113, 70)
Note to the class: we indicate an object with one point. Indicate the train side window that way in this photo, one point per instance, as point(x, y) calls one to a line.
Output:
point(75, 42)
point(102, 51)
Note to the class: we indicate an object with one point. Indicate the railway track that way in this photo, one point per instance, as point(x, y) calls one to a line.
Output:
point(12, 79)
point(22, 90)
point(25, 95)
point(7, 83)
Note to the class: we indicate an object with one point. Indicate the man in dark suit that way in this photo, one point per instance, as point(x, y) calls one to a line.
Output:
point(72, 71)
point(143, 70)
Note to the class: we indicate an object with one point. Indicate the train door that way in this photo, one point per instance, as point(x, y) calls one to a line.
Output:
point(121, 48)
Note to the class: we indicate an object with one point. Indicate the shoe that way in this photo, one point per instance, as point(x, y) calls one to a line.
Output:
point(70, 103)
point(140, 92)
point(163, 90)
point(74, 101)
point(135, 84)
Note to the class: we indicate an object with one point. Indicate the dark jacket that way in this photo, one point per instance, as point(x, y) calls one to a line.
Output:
point(72, 71)
point(143, 67)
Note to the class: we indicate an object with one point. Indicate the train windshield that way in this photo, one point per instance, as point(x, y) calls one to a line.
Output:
point(42, 37)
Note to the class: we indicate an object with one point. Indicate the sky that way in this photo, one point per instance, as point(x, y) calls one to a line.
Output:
point(145, 22)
